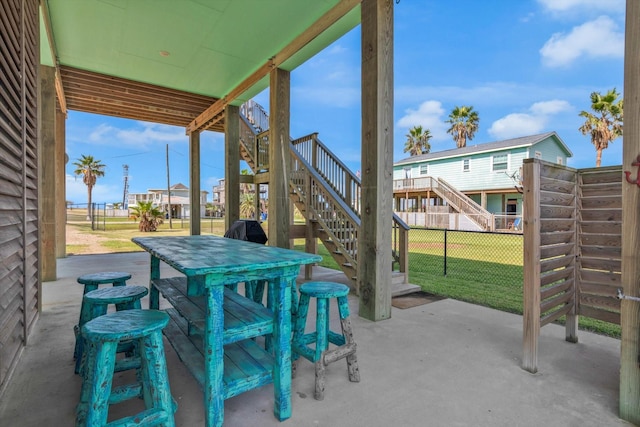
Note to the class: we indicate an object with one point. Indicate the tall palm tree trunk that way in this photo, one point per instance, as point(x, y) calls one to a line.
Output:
point(89, 204)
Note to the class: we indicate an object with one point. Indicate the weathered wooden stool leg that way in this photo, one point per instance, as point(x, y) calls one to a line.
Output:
point(84, 314)
point(91, 312)
point(345, 322)
point(318, 393)
point(93, 409)
point(157, 393)
point(322, 343)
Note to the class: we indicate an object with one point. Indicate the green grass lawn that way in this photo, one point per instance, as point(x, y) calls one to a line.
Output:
point(481, 268)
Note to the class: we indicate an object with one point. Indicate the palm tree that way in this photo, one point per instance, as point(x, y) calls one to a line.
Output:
point(606, 124)
point(90, 169)
point(418, 141)
point(247, 207)
point(150, 217)
point(464, 124)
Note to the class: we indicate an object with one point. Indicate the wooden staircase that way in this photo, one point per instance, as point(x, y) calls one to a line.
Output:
point(327, 194)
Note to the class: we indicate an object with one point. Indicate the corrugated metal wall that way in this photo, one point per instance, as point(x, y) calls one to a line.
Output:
point(19, 58)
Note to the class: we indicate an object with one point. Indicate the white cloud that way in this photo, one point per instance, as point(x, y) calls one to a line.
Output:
point(550, 107)
point(141, 135)
point(519, 124)
point(429, 115)
point(599, 38)
point(586, 5)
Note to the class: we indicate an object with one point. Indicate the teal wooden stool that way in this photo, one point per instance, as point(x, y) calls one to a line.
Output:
point(91, 282)
point(102, 336)
point(322, 336)
point(96, 303)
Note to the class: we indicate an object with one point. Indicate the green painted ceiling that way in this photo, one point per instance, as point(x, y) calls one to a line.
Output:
point(212, 45)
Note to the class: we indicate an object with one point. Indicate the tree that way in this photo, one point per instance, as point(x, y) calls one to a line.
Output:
point(247, 206)
point(150, 217)
point(90, 169)
point(605, 124)
point(418, 141)
point(464, 124)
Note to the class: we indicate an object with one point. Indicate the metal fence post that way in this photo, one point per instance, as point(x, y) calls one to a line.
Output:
point(445, 251)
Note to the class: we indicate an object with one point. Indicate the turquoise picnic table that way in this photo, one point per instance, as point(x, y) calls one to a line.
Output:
point(213, 328)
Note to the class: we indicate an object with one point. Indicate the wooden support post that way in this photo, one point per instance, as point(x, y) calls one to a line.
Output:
point(531, 297)
point(572, 317)
point(194, 183)
point(61, 193)
point(630, 310)
point(374, 245)
point(279, 158)
point(232, 166)
point(47, 173)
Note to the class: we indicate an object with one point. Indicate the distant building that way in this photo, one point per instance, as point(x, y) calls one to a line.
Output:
point(219, 195)
point(488, 173)
point(180, 207)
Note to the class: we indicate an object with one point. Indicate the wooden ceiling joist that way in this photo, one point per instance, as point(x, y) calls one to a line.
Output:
point(113, 96)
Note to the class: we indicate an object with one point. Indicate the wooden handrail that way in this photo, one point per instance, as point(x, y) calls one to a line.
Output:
point(318, 173)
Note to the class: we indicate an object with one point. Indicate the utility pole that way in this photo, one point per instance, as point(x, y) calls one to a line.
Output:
point(169, 190)
point(125, 193)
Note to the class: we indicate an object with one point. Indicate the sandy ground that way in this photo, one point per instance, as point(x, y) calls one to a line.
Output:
point(85, 243)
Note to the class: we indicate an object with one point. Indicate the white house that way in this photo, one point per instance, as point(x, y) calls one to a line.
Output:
point(179, 200)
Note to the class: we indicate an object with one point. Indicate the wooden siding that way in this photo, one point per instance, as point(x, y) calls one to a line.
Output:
point(573, 240)
point(19, 292)
point(600, 242)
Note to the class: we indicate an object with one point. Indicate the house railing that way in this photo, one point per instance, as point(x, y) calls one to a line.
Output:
point(464, 204)
point(455, 198)
point(256, 115)
point(347, 187)
point(330, 179)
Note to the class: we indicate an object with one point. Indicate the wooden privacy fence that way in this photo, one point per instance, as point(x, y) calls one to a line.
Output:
point(572, 248)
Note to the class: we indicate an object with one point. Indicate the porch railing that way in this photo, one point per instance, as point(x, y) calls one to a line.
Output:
point(348, 188)
point(455, 198)
point(322, 181)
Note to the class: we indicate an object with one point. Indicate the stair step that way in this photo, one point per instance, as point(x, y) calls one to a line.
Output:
point(404, 289)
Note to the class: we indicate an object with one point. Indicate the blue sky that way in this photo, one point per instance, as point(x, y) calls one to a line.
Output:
point(526, 66)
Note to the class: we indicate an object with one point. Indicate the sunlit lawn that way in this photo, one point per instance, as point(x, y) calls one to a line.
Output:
point(483, 269)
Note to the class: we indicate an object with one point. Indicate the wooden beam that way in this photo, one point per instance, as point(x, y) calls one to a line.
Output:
point(47, 173)
point(61, 193)
point(630, 310)
point(374, 240)
point(279, 158)
point(213, 113)
point(194, 183)
point(232, 166)
point(62, 102)
point(531, 269)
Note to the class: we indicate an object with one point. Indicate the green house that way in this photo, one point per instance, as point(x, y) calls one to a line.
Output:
point(488, 174)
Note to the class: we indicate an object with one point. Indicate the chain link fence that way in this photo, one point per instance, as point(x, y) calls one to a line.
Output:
point(483, 267)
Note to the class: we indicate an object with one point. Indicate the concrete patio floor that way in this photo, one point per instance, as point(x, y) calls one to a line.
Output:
point(446, 363)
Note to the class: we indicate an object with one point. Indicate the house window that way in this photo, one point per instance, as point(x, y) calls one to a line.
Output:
point(538, 155)
point(559, 160)
point(424, 169)
point(500, 162)
point(407, 173)
point(466, 165)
